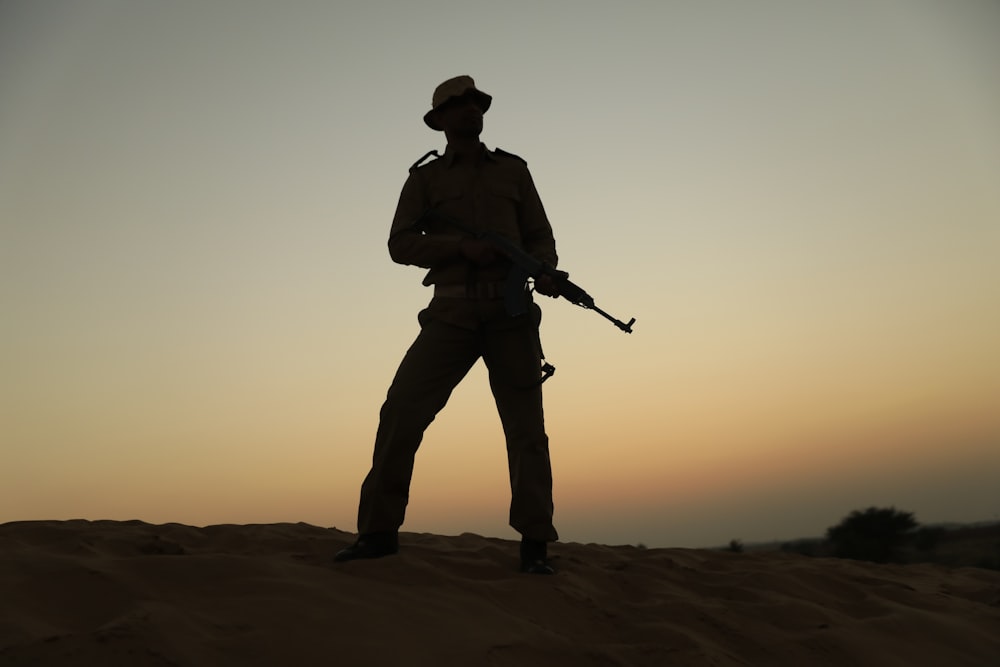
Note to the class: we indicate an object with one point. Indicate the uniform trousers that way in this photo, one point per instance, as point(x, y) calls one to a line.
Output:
point(442, 354)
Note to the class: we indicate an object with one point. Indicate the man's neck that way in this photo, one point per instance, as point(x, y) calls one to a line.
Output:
point(466, 148)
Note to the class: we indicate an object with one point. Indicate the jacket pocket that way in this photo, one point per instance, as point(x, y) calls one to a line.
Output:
point(501, 210)
point(443, 195)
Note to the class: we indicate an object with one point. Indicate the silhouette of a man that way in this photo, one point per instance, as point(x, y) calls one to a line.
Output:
point(465, 321)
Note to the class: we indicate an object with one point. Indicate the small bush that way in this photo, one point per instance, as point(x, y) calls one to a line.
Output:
point(872, 535)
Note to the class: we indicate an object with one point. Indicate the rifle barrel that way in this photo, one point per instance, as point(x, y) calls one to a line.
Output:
point(626, 327)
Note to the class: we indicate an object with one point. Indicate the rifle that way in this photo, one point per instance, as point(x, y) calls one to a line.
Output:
point(524, 267)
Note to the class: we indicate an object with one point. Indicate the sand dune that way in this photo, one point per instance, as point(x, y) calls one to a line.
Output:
point(130, 593)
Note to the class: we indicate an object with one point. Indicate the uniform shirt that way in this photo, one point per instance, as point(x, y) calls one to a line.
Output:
point(496, 194)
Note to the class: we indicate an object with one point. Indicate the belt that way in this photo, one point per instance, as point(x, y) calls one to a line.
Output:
point(473, 291)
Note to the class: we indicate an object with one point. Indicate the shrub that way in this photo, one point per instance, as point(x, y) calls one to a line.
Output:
point(874, 534)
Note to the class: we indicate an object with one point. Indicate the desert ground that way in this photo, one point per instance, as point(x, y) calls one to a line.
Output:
point(131, 593)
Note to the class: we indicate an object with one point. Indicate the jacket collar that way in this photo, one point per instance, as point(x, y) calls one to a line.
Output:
point(450, 156)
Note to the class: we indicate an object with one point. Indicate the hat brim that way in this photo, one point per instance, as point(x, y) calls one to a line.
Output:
point(430, 118)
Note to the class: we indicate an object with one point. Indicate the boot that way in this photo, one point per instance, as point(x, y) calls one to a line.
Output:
point(534, 557)
point(371, 545)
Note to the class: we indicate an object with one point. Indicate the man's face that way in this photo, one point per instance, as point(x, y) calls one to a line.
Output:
point(461, 116)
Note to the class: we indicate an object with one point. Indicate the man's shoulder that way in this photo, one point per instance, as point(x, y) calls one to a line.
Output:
point(425, 160)
point(505, 155)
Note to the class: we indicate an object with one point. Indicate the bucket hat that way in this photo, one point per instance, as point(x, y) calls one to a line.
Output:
point(455, 87)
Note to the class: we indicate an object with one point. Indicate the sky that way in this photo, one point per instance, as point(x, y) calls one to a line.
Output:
point(797, 200)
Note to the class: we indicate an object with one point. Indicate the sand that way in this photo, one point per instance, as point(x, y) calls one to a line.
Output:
point(130, 593)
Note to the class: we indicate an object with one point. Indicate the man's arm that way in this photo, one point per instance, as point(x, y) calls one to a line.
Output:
point(537, 238)
point(409, 245)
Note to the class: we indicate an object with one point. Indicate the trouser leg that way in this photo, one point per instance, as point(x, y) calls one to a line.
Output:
point(436, 362)
point(514, 361)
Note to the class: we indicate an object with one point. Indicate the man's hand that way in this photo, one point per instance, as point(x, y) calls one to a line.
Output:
point(547, 285)
point(479, 251)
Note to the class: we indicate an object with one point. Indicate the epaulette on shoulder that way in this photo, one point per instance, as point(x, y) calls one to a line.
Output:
point(501, 151)
point(416, 165)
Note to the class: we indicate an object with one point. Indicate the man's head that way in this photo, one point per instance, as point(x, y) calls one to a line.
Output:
point(457, 107)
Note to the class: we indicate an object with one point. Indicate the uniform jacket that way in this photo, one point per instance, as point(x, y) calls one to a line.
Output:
point(498, 194)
